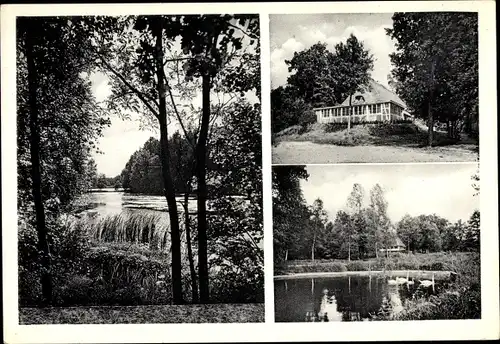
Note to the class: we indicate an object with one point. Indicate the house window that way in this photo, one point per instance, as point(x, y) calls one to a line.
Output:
point(378, 108)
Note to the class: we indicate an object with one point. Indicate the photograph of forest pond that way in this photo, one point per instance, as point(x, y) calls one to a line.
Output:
point(406, 250)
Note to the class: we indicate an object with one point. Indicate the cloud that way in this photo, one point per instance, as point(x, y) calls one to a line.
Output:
point(304, 36)
point(279, 69)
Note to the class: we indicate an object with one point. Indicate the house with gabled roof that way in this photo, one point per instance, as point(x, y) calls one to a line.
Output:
point(395, 245)
point(375, 103)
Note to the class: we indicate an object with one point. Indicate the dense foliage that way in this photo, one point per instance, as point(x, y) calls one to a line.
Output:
point(436, 67)
point(58, 121)
point(142, 173)
point(70, 120)
point(236, 226)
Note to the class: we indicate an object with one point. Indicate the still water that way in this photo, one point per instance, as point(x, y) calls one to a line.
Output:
point(350, 298)
point(109, 202)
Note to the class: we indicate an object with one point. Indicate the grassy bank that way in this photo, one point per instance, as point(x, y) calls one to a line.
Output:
point(440, 261)
point(212, 313)
point(390, 134)
point(461, 301)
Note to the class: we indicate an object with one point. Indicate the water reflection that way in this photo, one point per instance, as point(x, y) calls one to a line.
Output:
point(351, 298)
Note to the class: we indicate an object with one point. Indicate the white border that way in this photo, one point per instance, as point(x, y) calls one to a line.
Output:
point(487, 327)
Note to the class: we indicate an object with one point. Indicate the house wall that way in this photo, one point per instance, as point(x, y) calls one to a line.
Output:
point(360, 113)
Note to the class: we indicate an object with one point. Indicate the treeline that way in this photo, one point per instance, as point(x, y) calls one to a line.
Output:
point(321, 78)
point(142, 172)
point(99, 180)
point(304, 231)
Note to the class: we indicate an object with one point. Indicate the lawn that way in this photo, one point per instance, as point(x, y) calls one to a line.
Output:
point(211, 313)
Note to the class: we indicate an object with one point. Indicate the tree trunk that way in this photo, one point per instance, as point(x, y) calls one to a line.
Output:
point(194, 283)
point(430, 115)
point(376, 250)
point(286, 255)
point(201, 151)
point(166, 173)
point(349, 251)
point(43, 245)
point(312, 248)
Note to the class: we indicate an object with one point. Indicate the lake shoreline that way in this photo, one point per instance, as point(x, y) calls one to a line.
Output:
point(438, 275)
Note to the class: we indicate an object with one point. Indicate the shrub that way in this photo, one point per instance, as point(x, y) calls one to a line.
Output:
point(306, 118)
point(233, 286)
point(317, 267)
point(394, 128)
point(357, 266)
point(68, 246)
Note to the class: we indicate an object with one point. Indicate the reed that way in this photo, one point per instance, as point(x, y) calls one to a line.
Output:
point(146, 227)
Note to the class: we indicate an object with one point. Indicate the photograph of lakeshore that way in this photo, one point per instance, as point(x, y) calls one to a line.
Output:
point(139, 161)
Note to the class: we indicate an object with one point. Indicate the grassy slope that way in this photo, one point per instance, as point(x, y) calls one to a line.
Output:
point(382, 134)
point(213, 313)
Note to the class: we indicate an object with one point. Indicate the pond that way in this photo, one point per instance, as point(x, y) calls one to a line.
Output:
point(347, 298)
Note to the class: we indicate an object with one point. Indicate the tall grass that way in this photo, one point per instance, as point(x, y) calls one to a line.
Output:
point(151, 228)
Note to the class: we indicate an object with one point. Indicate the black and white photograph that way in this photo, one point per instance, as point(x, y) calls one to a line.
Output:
point(374, 87)
point(376, 242)
point(139, 169)
point(232, 172)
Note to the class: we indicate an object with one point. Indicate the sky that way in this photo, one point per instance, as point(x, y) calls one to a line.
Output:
point(296, 32)
point(444, 189)
point(121, 139)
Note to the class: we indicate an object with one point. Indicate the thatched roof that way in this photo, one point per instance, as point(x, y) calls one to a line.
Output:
point(399, 242)
point(375, 93)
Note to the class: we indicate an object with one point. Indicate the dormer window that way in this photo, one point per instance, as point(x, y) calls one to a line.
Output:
point(359, 99)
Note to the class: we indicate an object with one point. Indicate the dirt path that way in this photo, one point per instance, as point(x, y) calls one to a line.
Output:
point(288, 152)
